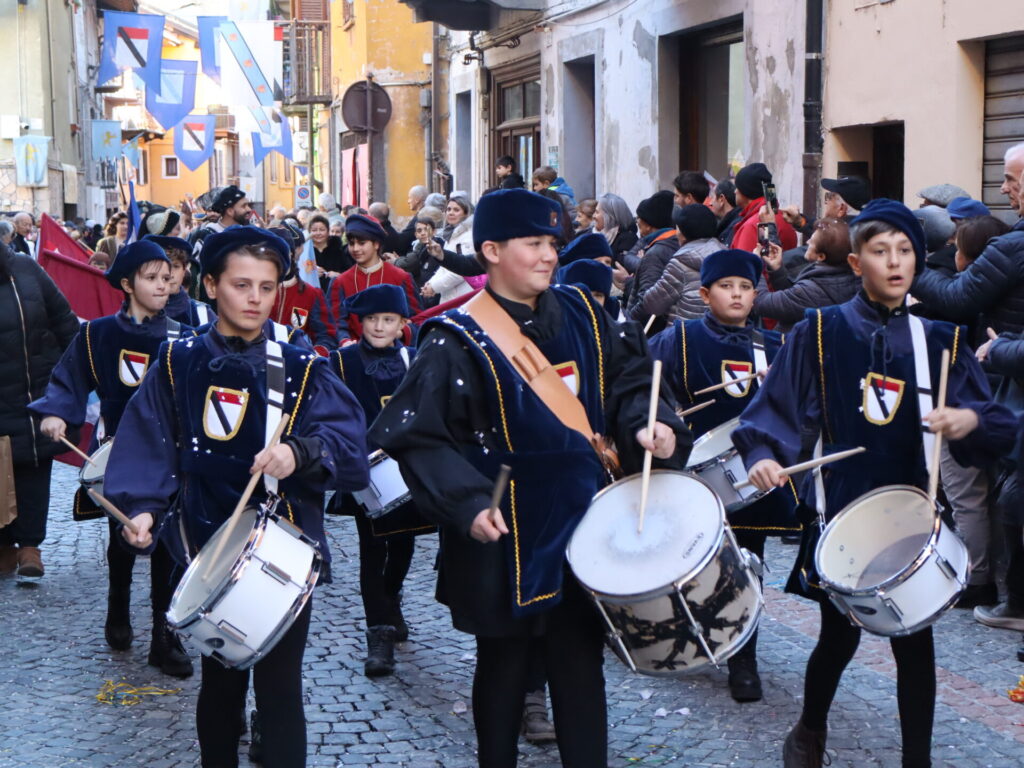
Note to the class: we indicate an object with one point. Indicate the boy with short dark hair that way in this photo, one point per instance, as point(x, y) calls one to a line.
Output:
point(181, 306)
point(505, 170)
point(850, 370)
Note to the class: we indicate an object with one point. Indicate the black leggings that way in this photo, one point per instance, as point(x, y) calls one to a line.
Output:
point(915, 681)
point(121, 562)
point(1013, 536)
point(573, 652)
point(383, 564)
point(277, 679)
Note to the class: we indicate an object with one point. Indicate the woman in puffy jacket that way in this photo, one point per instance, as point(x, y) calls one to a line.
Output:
point(458, 238)
point(36, 325)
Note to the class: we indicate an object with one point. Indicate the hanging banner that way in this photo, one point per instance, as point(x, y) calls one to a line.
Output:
point(273, 135)
point(249, 53)
point(209, 33)
point(30, 157)
point(193, 140)
point(177, 95)
point(247, 10)
point(106, 139)
point(130, 151)
point(131, 41)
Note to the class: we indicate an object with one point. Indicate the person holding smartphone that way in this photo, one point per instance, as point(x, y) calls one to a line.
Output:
point(752, 184)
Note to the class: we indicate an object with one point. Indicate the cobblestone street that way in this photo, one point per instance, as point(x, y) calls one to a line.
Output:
point(55, 661)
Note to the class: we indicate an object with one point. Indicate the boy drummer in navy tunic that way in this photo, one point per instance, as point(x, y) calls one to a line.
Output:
point(186, 451)
point(112, 355)
point(716, 348)
point(462, 411)
point(373, 368)
point(181, 306)
point(849, 370)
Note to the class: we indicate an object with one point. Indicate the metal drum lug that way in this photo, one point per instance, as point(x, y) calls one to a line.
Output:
point(616, 634)
point(894, 610)
point(698, 630)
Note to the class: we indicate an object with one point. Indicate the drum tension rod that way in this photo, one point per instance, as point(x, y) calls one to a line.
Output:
point(697, 628)
point(616, 634)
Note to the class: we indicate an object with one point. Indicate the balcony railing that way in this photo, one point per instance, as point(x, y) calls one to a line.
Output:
point(307, 62)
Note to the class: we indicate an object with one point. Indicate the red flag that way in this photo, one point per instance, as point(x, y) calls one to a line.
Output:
point(87, 291)
point(52, 237)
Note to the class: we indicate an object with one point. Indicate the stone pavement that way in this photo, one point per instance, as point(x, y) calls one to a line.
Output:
point(53, 661)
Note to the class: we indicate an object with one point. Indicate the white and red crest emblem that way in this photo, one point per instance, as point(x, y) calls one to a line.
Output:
point(737, 369)
point(299, 317)
point(131, 367)
point(224, 412)
point(570, 375)
point(882, 397)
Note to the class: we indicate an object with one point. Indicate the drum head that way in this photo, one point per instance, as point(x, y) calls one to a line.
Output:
point(875, 538)
point(92, 472)
point(713, 443)
point(682, 524)
point(204, 578)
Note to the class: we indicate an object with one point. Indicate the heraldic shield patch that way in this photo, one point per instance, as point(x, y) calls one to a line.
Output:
point(131, 367)
point(299, 316)
point(570, 374)
point(224, 412)
point(737, 369)
point(882, 398)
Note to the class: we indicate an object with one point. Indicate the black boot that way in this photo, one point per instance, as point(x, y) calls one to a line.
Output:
point(118, 627)
point(401, 628)
point(256, 740)
point(804, 748)
point(380, 651)
point(744, 682)
point(167, 652)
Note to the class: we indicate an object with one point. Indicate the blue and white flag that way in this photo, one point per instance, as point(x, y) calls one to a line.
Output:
point(134, 217)
point(106, 139)
point(307, 265)
point(130, 150)
point(177, 95)
point(250, 54)
point(30, 155)
point(131, 41)
point(273, 134)
point(209, 35)
point(193, 140)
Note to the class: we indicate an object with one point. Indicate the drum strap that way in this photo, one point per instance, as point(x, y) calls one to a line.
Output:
point(404, 354)
point(275, 400)
point(760, 357)
point(280, 332)
point(925, 397)
point(819, 484)
point(530, 363)
point(173, 330)
point(203, 313)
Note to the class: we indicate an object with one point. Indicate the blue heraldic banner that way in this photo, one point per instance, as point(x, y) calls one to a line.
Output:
point(193, 140)
point(274, 134)
point(30, 153)
point(131, 41)
point(176, 98)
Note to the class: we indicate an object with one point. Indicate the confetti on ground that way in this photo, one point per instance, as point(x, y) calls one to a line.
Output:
point(126, 695)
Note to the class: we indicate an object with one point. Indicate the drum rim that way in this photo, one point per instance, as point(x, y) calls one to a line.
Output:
point(705, 559)
point(904, 573)
point(377, 457)
point(103, 447)
point(706, 437)
point(217, 592)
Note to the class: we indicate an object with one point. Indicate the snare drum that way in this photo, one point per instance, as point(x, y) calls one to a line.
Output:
point(387, 490)
point(890, 564)
point(91, 474)
point(677, 595)
point(237, 609)
point(716, 461)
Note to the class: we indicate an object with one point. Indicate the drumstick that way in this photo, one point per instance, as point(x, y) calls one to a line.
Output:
point(933, 476)
point(821, 460)
point(652, 413)
point(724, 384)
point(76, 449)
point(237, 513)
point(499, 489)
point(649, 323)
point(693, 409)
point(113, 511)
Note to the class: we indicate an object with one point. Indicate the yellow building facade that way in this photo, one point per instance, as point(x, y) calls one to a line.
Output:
point(377, 39)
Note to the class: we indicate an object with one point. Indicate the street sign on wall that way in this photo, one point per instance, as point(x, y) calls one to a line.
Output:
point(303, 196)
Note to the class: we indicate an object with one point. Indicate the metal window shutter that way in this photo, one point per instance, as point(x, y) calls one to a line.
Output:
point(1004, 116)
point(311, 10)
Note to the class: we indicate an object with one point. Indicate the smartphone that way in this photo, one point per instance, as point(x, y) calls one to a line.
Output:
point(766, 235)
point(768, 192)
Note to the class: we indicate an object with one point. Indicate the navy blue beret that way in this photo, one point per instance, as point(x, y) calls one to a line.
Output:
point(593, 274)
point(589, 246)
point(220, 245)
point(899, 216)
point(378, 299)
point(130, 258)
point(510, 213)
point(966, 208)
point(170, 243)
point(731, 262)
point(365, 228)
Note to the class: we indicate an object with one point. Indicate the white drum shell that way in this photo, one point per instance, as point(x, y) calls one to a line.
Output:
point(912, 596)
point(648, 612)
point(237, 612)
point(717, 462)
point(387, 489)
point(91, 474)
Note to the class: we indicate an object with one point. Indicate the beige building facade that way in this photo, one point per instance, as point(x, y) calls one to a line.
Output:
point(922, 92)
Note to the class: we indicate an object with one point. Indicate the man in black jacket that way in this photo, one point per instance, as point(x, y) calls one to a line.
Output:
point(36, 325)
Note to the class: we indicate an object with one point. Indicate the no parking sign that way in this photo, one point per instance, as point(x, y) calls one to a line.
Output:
point(303, 196)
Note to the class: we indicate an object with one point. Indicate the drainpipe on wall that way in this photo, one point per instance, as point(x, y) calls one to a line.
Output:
point(814, 84)
point(432, 142)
